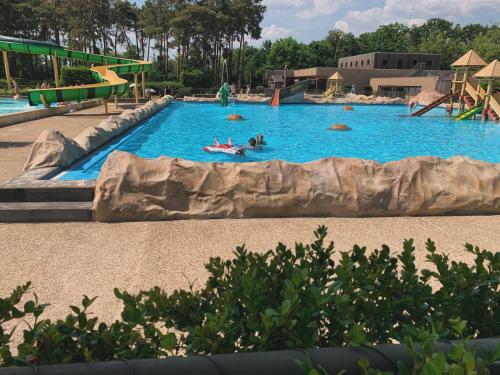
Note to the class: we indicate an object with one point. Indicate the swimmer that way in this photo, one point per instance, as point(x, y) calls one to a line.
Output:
point(260, 140)
point(252, 144)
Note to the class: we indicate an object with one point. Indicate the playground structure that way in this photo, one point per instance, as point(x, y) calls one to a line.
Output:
point(336, 85)
point(474, 84)
point(108, 85)
point(289, 95)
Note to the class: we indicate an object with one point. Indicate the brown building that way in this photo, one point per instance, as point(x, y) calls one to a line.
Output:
point(376, 81)
point(419, 72)
point(392, 60)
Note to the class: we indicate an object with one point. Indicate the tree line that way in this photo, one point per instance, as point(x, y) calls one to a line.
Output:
point(193, 38)
point(199, 33)
point(434, 36)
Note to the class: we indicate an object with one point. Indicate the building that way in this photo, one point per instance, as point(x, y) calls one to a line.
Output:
point(369, 78)
point(392, 60)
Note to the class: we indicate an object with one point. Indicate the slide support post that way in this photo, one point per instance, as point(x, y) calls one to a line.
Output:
point(7, 69)
point(143, 81)
point(56, 70)
point(136, 88)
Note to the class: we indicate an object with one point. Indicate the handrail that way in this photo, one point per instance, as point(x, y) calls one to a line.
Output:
point(333, 360)
point(494, 104)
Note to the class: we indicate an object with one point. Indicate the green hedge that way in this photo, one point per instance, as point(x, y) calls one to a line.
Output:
point(277, 299)
point(74, 75)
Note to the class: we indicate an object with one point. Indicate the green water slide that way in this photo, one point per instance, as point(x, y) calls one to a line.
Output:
point(107, 74)
point(469, 113)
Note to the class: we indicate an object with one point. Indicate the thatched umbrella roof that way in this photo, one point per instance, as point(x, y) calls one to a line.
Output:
point(471, 58)
point(492, 70)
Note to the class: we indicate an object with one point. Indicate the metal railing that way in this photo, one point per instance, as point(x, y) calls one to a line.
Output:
point(416, 68)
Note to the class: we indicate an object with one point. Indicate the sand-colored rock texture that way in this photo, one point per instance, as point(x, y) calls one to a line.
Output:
point(426, 97)
point(130, 188)
point(53, 149)
point(355, 99)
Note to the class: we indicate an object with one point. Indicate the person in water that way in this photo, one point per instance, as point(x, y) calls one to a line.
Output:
point(252, 144)
point(260, 140)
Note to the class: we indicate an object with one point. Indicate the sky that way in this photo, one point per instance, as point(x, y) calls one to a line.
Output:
point(308, 20)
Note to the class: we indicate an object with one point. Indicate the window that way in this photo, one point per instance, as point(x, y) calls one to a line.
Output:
point(368, 62)
point(384, 62)
point(399, 64)
point(362, 62)
point(351, 64)
point(356, 64)
point(341, 65)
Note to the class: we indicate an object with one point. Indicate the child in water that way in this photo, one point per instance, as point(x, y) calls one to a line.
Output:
point(252, 144)
point(260, 140)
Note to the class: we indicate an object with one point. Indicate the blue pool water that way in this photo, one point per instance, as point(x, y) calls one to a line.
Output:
point(9, 105)
point(298, 133)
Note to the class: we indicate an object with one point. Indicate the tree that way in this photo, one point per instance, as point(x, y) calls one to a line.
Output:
point(394, 37)
point(487, 45)
point(289, 52)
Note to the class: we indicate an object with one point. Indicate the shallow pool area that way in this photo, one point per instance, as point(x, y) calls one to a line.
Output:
point(299, 133)
point(9, 105)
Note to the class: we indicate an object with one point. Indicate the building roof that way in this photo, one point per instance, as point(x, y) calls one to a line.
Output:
point(471, 58)
point(492, 70)
point(393, 53)
point(277, 78)
point(336, 77)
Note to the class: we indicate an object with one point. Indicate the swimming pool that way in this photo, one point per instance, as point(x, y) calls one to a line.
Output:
point(298, 133)
point(9, 105)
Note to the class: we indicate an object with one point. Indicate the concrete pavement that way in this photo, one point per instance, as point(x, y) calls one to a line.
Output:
point(66, 260)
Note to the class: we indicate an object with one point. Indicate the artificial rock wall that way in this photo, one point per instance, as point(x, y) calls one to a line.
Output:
point(53, 149)
point(132, 188)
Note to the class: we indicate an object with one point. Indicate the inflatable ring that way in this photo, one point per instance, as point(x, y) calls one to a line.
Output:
point(348, 108)
point(339, 127)
point(235, 117)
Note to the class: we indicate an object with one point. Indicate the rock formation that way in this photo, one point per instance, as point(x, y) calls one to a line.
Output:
point(339, 127)
point(131, 188)
point(53, 149)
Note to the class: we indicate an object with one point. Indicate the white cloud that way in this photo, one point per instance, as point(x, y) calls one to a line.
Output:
point(284, 3)
point(416, 12)
point(274, 32)
point(342, 25)
point(416, 21)
point(317, 8)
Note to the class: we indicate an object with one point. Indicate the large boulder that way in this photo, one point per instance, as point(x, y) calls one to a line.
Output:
point(131, 188)
point(53, 149)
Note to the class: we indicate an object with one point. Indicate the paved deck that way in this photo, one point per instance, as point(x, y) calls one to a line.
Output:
point(16, 140)
point(67, 260)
